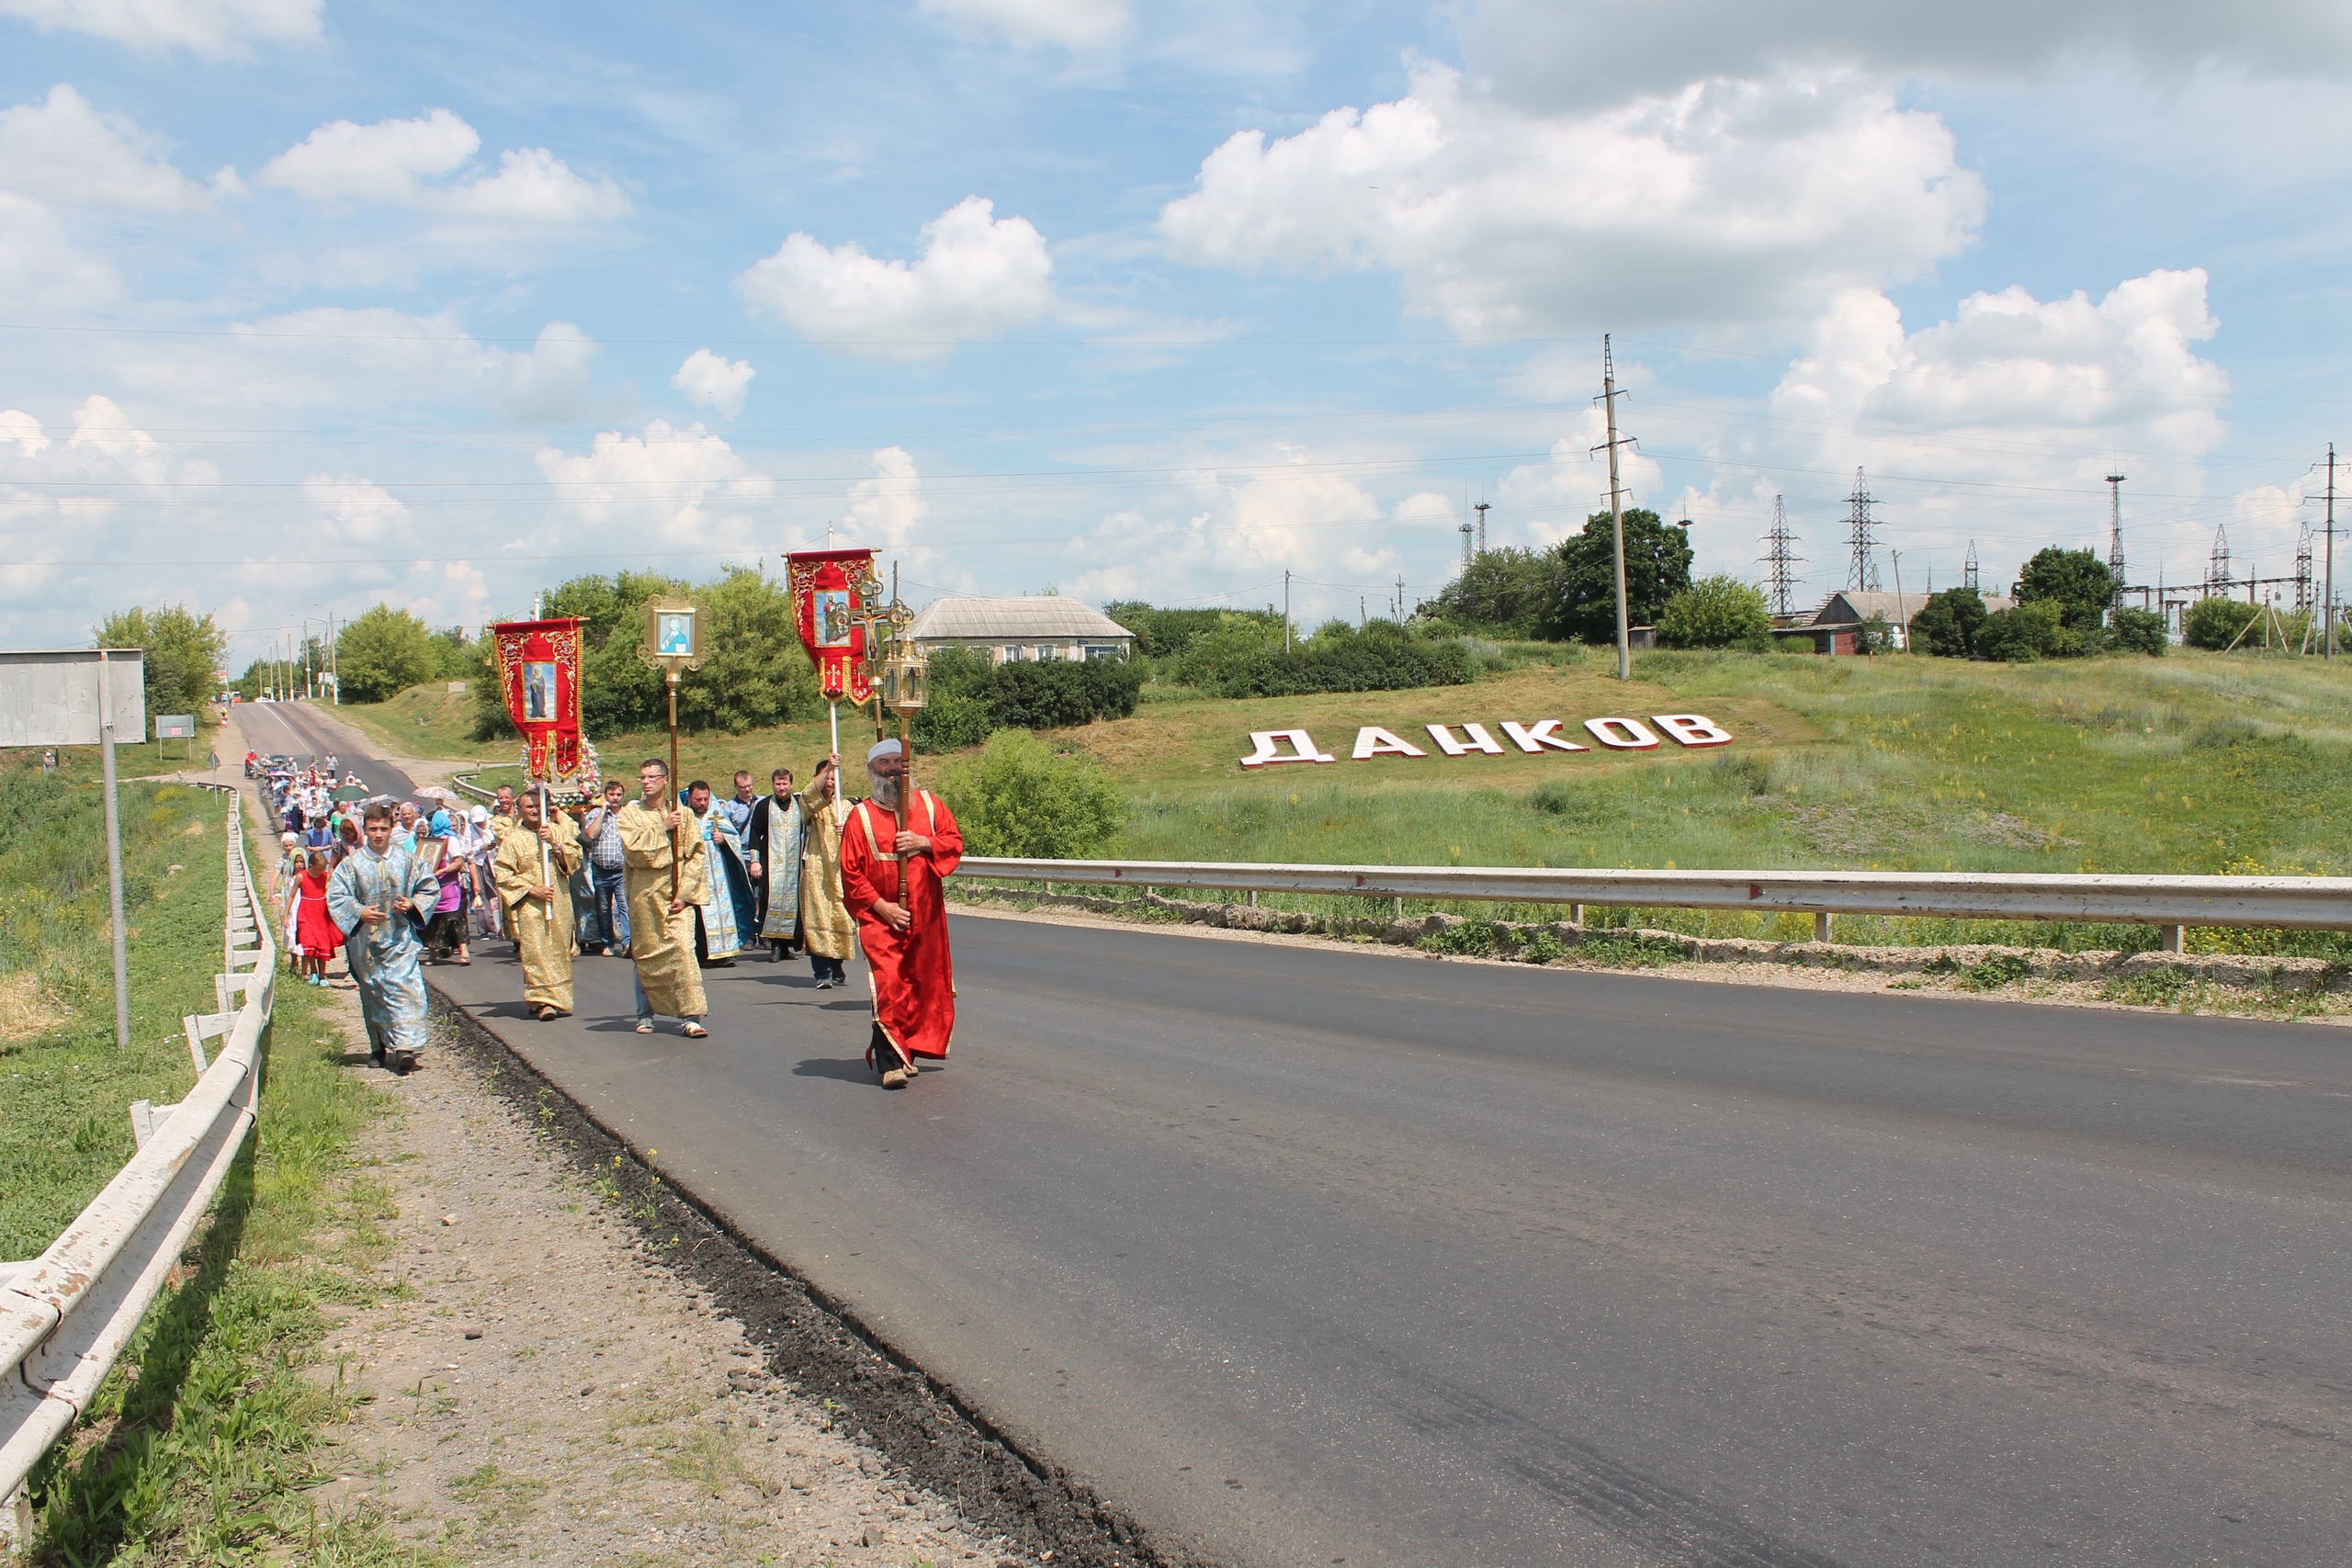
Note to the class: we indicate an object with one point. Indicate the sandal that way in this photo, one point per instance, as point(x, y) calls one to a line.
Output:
point(645, 1026)
point(696, 1032)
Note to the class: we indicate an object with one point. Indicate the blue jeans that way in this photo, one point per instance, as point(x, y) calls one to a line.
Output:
point(645, 1007)
point(612, 906)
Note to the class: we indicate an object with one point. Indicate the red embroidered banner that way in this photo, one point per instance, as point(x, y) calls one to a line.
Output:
point(824, 595)
point(539, 668)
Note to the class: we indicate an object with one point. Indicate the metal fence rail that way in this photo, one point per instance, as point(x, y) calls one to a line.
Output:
point(65, 1315)
point(2323, 903)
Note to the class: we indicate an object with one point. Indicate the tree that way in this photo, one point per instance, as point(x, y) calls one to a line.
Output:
point(1582, 600)
point(182, 653)
point(1948, 623)
point(383, 653)
point(1501, 593)
point(2077, 582)
point(2218, 623)
point(2023, 635)
point(1716, 611)
point(1017, 797)
point(2140, 631)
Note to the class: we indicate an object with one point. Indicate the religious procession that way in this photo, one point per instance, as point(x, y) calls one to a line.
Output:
point(676, 880)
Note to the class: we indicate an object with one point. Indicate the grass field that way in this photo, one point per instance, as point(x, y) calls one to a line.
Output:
point(424, 721)
point(2194, 762)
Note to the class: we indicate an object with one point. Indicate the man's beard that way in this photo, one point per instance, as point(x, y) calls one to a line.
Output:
point(886, 791)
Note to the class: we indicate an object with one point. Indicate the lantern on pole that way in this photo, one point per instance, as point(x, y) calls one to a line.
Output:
point(673, 645)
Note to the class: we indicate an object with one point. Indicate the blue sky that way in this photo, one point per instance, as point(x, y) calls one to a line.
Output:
point(311, 304)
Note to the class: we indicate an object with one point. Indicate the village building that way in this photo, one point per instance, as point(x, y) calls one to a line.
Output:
point(1837, 626)
point(1014, 631)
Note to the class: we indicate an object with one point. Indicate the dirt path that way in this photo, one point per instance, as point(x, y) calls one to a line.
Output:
point(545, 1387)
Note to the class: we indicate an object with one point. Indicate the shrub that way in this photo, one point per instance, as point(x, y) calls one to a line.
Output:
point(971, 699)
point(2077, 582)
point(2216, 623)
point(1948, 623)
point(182, 651)
point(2022, 635)
point(1168, 634)
point(1583, 602)
point(1716, 611)
point(1383, 656)
point(1017, 797)
point(1502, 593)
point(383, 653)
point(2138, 631)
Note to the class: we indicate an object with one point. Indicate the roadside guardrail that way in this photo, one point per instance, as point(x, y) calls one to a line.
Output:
point(65, 1315)
point(2307, 903)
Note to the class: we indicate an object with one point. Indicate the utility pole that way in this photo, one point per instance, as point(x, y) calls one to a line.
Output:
point(1401, 598)
point(1481, 510)
point(1968, 578)
point(1861, 573)
point(1361, 619)
point(2218, 581)
point(1779, 582)
point(2115, 537)
point(1285, 612)
point(2303, 568)
point(2327, 648)
point(1616, 507)
point(1902, 621)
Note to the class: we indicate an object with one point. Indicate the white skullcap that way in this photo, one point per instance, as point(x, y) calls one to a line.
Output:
point(882, 748)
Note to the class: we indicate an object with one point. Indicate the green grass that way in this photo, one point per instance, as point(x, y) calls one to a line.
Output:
point(428, 721)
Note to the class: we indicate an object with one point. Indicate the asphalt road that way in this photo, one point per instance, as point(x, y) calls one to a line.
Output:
point(1305, 1254)
point(302, 731)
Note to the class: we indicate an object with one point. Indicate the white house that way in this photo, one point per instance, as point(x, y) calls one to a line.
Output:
point(1012, 630)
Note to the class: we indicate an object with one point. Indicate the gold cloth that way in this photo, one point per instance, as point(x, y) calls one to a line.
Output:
point(544, 945)
point(825, 924)
point(662, 943)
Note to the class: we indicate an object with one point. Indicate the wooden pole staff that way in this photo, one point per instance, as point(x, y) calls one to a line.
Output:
point(677, 853)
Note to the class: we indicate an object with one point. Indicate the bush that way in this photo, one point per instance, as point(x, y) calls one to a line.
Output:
point(1717, 611)
point(2217, 622)
point(2138, 631)
point(1017, 797)
point(2077, 582)
point(1383, 656)
point(1502, 593)
point(1168, 634)
point(181, 653)
point(2022, 635)
point(1583, 598)
point(971, 698)
point(383, 653)
point(1948, 623)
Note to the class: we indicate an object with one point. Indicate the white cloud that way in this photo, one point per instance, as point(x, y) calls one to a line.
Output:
point(356, 510)
point(978, 276)
point(889, 510)
point(668, 488)
point(57, 495)
point(1545, 52)
point(334, 356)
point(1724, 201)
point(66, 152)
point(213, 28)
point(713, 381)
point(1071, 24)
point(41, 268)
point(1549, 501)
point(388, 162)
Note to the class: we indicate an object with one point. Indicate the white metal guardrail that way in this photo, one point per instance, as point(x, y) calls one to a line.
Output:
point(2321, 903)
point(65, 1315)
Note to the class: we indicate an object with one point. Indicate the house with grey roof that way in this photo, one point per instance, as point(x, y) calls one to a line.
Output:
point(1013, 631)
point(1837, 626)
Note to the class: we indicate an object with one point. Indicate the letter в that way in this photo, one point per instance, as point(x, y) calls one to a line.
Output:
point(1693, 728)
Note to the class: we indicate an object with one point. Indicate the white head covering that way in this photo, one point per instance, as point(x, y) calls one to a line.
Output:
point(882, 748)
point(479, 814)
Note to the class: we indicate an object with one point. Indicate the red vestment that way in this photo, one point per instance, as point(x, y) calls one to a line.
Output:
point(913, 976)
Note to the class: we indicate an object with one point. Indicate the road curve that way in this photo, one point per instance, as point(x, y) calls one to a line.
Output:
point(1305, 1254)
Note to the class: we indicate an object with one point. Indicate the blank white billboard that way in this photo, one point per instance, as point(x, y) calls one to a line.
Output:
point(50, 698)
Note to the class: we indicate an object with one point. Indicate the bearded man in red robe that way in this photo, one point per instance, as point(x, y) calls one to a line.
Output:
point(891, 880)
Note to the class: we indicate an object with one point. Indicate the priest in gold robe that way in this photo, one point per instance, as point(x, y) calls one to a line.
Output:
point(665, 879)
point(827, 930)
point(532, 865)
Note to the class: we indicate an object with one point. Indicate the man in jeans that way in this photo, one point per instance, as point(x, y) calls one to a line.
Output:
point(608, 866)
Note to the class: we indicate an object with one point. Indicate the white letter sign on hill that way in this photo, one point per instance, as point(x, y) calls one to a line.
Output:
point(1474, 739)
point(1372, 741)
point(1616, 732)
point(1301, 747)
point(1543, 732)
point(1693, 729)
point(1622, 734)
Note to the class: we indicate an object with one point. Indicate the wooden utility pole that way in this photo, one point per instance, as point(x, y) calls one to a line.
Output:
point(1616, 508)
point(2327, 647)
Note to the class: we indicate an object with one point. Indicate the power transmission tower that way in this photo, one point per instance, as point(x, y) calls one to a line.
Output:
point(1401, 598)
point(1862, 572)
point(1968, 568)
point(2304, 570)
point(1465, 547)
point(1608, 397)
point(2115, 536)
point(2218, 581)
point(1779, 582)
point(1481, 510)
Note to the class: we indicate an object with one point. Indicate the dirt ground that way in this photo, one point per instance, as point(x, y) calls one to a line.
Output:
point(543, 1386)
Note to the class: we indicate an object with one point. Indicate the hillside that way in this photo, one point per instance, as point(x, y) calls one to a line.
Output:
point(2187, 763)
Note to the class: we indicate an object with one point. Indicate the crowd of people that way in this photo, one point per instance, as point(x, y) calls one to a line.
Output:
point(675, 882)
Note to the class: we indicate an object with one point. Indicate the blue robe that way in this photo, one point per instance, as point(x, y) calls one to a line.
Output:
point(386, 960)
point(730, 912)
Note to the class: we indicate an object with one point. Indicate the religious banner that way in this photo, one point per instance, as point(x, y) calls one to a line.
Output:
point(538, 669)
point(826, 597)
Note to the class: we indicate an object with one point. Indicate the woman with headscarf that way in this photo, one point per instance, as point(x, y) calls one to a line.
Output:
point(446, 863)
point(478, 838)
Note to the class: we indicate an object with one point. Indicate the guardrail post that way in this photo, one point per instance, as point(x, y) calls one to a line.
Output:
point(2175, 938)
point(1821, 925)
point(1575, 914)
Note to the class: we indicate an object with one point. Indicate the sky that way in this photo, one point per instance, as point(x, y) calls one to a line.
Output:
point(307, 305)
